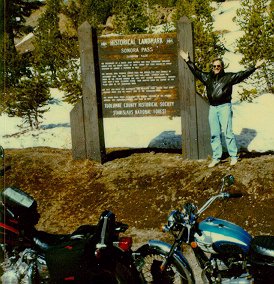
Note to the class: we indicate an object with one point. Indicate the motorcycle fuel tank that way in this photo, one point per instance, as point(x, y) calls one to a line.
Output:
point(220, 236)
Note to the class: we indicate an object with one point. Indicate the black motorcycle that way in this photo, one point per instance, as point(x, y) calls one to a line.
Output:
point(91, 254)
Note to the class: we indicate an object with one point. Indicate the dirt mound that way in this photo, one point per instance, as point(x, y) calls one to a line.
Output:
point(140, 189)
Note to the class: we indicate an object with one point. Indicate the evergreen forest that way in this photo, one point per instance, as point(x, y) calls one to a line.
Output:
point(51, 57)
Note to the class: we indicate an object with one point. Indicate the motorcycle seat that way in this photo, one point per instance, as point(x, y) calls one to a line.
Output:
point(263, 245)
point(45, 241)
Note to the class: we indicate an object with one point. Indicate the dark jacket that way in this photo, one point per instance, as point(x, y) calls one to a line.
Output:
point(219, 87)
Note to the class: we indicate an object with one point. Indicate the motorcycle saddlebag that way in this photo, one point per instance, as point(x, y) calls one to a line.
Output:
point(21, 205)
point(71, 261)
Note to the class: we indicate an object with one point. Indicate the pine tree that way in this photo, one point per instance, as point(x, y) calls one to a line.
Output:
point(130, 16)
point(256, 20)
point(53, 49)
point(48, 39)
point(15, 15)
point(70, 81)
point(72, 10)
point(13, 65)
point(95, 12)
point(29, 99)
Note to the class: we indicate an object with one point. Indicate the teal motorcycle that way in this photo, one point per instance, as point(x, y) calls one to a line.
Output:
point(225, 252)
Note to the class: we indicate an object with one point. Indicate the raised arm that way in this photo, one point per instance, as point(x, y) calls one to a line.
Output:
point(242, 75)
point(202, 76)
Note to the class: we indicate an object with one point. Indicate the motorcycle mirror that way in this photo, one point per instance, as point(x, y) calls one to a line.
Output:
point(227, 181)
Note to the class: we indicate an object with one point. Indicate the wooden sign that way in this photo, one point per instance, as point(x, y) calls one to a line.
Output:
point(139, 75)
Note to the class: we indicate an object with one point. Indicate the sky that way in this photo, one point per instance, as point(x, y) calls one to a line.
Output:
point(252, 122)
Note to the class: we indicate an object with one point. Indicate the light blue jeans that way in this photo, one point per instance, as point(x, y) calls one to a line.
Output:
point(220, 120)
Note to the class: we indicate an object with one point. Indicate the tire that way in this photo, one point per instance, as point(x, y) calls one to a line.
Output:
point(175, 273)
point(118, 269)
point(125, 273)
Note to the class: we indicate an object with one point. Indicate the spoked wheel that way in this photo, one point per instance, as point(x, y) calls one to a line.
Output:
point(175, 273)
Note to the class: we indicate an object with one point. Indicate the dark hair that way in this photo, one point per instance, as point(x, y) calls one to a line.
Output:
point(219, 59)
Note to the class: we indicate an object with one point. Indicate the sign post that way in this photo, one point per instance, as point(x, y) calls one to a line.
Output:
point(86, 117)
point(194, 109)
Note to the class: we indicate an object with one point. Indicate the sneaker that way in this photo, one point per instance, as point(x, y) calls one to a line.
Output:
point(213, 163)
point(233, 161)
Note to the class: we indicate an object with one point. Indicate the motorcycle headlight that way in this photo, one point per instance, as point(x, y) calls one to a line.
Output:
point(173, 219)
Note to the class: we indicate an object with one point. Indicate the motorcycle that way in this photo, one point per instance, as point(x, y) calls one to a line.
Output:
point(91, 254)
point(225, 252)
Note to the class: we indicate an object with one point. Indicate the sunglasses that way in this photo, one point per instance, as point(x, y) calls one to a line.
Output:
point(217, 66)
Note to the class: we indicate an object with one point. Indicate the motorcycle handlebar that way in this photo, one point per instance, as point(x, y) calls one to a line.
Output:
point(235, 195)
point(213, 198)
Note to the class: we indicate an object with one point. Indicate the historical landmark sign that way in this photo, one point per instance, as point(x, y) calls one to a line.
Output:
point(137, 87)
point(139, 75)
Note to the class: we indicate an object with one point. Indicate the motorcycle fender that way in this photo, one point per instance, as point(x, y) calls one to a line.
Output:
point(178, 255)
